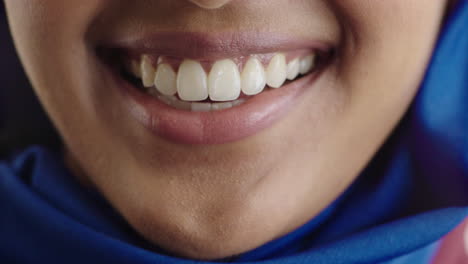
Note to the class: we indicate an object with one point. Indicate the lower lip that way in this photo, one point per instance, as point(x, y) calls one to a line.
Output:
point(256, 114)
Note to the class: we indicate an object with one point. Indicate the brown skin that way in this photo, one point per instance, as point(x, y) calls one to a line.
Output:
point(209, 202)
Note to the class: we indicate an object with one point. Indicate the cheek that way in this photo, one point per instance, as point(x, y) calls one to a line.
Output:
point(46, 31)
point(50, 36)
point(386, 47)
point(52, 18)
point(50, 39)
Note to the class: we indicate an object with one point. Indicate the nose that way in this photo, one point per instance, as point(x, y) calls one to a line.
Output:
point(210, 4)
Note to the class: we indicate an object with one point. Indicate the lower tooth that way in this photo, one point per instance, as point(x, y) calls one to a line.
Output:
point(197, 107)
point(221, 106)
point(201, 107)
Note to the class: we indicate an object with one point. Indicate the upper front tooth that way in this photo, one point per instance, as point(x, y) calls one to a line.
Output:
point(253, 77)
point(165, 80)
point(276, 71)
point(147, 71)
point(307, 63)
point(293, 69)
point(192, 81)
point(224, 82)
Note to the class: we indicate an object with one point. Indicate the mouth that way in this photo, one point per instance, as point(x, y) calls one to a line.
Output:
point(201, 89)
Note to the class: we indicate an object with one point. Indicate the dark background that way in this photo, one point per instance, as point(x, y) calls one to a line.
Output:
point(22, 120)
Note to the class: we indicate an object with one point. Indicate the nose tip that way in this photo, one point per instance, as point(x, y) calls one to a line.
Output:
point(210, 4)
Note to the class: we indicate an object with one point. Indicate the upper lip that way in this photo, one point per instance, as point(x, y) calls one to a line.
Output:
point(212, 46)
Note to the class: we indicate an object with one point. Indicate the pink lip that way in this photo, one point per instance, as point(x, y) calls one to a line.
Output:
point(255, 115)
point(217, 127)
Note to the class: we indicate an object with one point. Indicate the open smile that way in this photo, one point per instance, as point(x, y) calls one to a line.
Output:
point(212, 89)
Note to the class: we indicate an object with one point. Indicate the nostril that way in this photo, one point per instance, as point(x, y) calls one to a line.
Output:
point(210, 4)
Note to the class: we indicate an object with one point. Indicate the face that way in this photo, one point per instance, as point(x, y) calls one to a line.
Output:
point(137, 91)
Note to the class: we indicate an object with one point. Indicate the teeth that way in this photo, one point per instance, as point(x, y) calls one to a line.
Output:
point(147, 71)
point(253, 77)
point(165, 80)
point(192, 81)
point(224, 83)
point(221, 106)
point(201, 107)
point(306, 64)
point(293, 69)
point(197, 106)
point(276, 71)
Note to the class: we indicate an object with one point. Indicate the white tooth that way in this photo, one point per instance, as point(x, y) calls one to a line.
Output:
point(253, 79)
point(293, 69)
point(165, 80)
point(136, 68)
point(147, 71)
point(307, 63)
point(221, 106)
point(224, 81)
point(201, 107)
point(276, 71)
point(192, 81)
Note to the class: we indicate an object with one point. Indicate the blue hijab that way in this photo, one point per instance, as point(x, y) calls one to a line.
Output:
point(413, 192)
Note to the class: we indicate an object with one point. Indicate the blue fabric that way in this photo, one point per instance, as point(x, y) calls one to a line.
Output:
point(423, 255)
point(412, 193)
point(50, 218)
